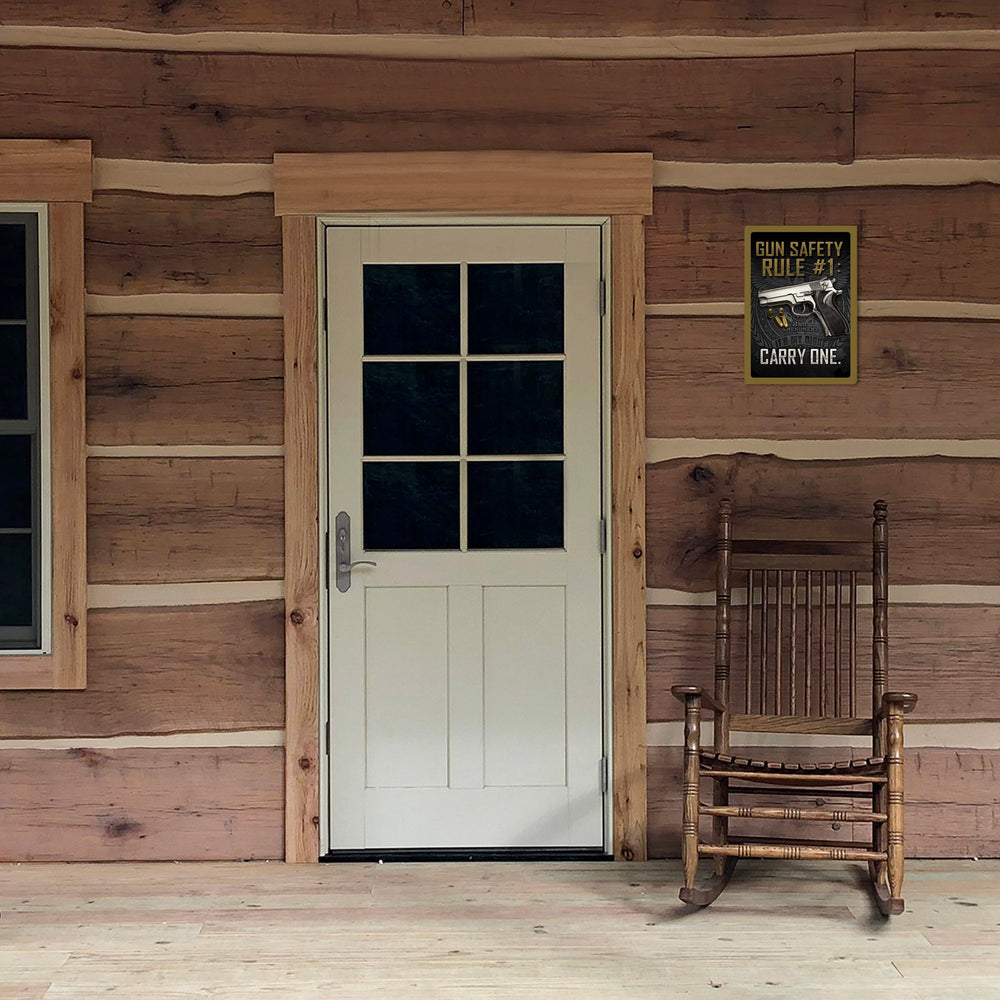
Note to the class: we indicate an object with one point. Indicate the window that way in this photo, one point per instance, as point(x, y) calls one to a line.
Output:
point(25, 589)
point(43, 572)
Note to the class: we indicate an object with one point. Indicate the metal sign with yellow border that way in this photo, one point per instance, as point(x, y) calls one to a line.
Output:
point(800, 315)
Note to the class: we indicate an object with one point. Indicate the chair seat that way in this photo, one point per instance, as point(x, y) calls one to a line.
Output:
point(728, 762)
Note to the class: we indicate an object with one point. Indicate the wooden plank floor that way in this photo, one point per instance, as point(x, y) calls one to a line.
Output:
point(245, 931)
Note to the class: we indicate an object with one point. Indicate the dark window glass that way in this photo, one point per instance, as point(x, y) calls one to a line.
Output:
point(412, 308)
point(411, 505)
point(13, 373)
point(515, 407)
point(12, 272)
point(515, 505)
point(411, 407)
point(15, 481)
point(515, 308)
point(16, 587)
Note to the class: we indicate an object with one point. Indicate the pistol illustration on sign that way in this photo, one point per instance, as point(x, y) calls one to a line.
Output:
point(814, 298)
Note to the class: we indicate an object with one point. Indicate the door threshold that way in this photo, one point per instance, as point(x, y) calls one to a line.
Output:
point(412, 854)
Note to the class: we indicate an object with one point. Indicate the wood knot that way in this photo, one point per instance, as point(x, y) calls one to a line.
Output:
point(296, 617)
point(71, 620)
point(637, 552)
point(77, 373)
point(314, 820)
point(701, 474)
point(305, 763)
point(628, 854)
point(116, 829)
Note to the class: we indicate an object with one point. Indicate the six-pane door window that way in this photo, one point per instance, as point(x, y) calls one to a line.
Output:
point(463, 406)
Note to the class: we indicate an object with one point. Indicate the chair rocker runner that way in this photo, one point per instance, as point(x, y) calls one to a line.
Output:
point(798, 671)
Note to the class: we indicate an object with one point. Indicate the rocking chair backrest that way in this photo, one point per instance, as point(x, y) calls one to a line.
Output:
point(787, 650)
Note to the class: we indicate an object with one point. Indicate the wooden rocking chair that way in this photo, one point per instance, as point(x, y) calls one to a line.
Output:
point(795, 640)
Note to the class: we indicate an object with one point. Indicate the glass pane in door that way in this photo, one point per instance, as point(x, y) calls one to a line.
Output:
point(515, 308)
point(411, 308)
point(515, 505)
point(515, 407)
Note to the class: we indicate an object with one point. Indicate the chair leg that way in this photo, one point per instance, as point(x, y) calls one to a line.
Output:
point(894, 771)
point(720, 824)
point(889, 883)
point(692, 782)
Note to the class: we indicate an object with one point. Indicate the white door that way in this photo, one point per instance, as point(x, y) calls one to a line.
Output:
point(465, 465)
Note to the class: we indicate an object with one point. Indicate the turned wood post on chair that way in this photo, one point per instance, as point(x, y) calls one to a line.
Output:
point(691, 790)
point(800, 675)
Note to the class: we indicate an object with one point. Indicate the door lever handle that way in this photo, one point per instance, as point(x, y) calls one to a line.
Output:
point(347, 567)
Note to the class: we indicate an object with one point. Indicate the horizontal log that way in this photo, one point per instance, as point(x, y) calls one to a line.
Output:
point(951, 808)
point(917, 379)
point(922, 639)
point(721, 17)
point(160, 380)
point(951, 803)
point(326, 16)
point(142, 805)
point(917, 103)
point(241, 107)
point(215, 668)
point(145, 243)
point(913, 243)
point(178, 520)
point(940, 511)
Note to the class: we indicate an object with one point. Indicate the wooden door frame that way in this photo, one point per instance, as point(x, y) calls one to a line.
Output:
point(515, 183)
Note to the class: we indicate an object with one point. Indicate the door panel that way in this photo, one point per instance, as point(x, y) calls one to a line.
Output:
point(406, 731)
point(525, 708)
point(464, 432)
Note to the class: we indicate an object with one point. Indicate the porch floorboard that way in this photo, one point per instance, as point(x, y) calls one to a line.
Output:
point(242, 931)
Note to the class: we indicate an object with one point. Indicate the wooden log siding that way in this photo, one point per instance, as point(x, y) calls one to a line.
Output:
point(162, 380)
point(917, 379)
point(914, 243)
point(214, 668)
point(246, 107)
point(141, 243)
point(176, 520)
point(951, 803)
point(927, 104)
point(941, 511)
point(721, 17)
point(141, 805)
point(326, 16)
point(946, 653)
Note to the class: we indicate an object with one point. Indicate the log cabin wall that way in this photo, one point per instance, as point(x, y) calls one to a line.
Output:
point(804, 114)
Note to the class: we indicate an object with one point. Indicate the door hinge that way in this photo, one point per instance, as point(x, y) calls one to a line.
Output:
point(604, 774)
point(327, 737)
point(603, 296)
point(603, 540)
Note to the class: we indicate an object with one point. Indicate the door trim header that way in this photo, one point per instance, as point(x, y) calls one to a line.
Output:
point(528, 182)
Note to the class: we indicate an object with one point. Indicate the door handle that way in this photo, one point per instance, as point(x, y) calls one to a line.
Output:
point(343, 563)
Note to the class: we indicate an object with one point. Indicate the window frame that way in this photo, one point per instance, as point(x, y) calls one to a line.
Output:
point(54, 178)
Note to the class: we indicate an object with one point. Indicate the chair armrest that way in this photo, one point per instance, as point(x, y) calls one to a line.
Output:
point(683, 691)
point(907, 701)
